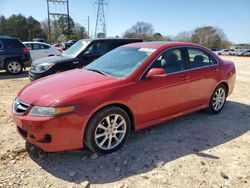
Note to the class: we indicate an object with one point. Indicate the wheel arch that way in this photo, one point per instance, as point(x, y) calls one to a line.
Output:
point(12, 58)
point(225, 84)
point(120, 105)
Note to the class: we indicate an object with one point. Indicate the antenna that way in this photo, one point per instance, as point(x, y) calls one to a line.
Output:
point(58, 3)
point(100, 28)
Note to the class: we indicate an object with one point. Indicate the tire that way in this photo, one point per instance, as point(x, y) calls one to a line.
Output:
point(14, 67)
point(218, 99)
point(103, 135)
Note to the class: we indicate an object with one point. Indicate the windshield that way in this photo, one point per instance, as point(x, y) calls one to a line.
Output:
point(121, 62)
point(76, 49)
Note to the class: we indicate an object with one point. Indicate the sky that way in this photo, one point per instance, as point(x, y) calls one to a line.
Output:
point(169, 17)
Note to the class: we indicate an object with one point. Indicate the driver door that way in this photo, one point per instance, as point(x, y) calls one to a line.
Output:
point(164, 96)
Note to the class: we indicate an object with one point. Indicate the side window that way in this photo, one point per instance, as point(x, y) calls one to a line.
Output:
point(172, 61)
point(13, 43)
point(99, 48)
point(45, 46)
point(29, 45)
point(199, 58)
point(102, 48)
point(37, 46)
point(1, 45)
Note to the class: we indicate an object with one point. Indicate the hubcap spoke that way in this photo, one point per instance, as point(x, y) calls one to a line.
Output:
point(100, 135)
point(108, 121)
point(115, 120)
point(109, 144)
point(120, 124)
point(102, 127)
point(103, 141)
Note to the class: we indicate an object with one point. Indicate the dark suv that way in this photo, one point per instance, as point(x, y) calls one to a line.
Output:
point(80, 54)
point(14, 55)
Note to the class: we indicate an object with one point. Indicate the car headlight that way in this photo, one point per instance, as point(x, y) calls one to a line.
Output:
point(42, 111)
point(44, 66)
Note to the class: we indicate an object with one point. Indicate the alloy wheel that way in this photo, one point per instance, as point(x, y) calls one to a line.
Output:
point(219, 99)
point(110, 131)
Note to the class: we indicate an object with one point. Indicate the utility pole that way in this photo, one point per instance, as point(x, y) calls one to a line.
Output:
point(88, 27)
point(58, 3)
point(100, 28)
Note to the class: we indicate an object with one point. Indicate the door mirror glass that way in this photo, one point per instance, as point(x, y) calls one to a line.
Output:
point(156, 72)
point(87, 53)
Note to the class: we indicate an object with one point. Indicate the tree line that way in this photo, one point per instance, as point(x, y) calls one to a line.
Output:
point(208, 36)
point(28, 28)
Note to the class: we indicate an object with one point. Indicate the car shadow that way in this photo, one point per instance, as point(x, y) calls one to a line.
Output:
point(6, 76)
point(144, 150)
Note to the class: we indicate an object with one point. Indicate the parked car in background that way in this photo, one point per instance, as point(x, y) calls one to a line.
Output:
point(215, 50)
point(80, 54)
point(225, 52)
point(244, 53)
point(39, 40)
point(39, 50)
point(130, 88)
point(67, 45)
point(14, 55)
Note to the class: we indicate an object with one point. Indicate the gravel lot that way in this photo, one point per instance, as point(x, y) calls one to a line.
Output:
point(198, 150)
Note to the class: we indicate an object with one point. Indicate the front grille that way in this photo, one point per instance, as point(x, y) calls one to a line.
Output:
point(19, 107)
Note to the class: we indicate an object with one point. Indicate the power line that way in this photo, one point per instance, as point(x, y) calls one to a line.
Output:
point(58, 3)
point(100, 28)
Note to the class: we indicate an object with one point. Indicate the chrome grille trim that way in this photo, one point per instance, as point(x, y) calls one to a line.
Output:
point(19, 107)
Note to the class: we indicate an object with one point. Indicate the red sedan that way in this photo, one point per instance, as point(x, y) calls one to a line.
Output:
point(128, 89)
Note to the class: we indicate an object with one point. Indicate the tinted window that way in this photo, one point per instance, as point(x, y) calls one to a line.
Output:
point(29, 45)
point(13, 43)
point(99, 48)
point(172, 61)
point(199, 58)
point(1, 45)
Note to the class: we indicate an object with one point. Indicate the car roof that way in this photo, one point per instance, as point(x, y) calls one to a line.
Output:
point(159, 44)
point(7, 37)
point(112, 39)
point(33, 42)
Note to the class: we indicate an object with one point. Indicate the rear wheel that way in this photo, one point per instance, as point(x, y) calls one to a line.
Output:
point(14, 67)
point(107, 130)
point(218, 99)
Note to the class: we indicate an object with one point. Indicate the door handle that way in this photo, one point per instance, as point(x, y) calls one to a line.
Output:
point(215, 70)
point(184, 77)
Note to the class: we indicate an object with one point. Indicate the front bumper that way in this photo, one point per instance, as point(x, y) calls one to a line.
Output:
point(34, 76)
point(52, 134)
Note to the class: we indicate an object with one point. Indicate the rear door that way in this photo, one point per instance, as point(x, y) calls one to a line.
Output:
point(203, 71)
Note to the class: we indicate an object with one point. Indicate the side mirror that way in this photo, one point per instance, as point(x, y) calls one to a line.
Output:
point(87, 53)
point(156, 72)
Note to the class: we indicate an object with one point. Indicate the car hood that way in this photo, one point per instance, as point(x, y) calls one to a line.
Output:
point(51, 90)
point(53, 59)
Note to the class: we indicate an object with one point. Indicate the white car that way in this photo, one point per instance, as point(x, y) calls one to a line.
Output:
point(40, 50)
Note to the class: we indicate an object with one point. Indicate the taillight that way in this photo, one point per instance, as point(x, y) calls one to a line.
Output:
point(25, 50)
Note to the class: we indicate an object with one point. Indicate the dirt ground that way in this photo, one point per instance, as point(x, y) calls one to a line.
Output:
point(198, 150)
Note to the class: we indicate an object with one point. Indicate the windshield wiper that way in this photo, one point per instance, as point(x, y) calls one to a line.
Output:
point(97, 71)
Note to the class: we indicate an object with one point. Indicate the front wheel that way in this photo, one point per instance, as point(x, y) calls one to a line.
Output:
point(218, 99)
point(107, 130)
